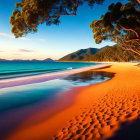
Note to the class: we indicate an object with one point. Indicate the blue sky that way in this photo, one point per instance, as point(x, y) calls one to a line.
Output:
point(72, 34)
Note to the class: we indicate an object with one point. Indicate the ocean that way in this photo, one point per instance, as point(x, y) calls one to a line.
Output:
point(21, 69)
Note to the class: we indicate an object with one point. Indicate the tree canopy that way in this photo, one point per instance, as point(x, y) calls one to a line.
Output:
point(30, 13)
point(120, 24)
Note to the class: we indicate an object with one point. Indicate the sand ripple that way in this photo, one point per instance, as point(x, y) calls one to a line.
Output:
point(104, 118)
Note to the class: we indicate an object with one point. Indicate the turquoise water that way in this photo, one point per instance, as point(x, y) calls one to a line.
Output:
point(19, 102)
point(18, 69)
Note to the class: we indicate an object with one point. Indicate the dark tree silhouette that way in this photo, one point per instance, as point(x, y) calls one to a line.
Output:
point(120, 24)
point(30, 13)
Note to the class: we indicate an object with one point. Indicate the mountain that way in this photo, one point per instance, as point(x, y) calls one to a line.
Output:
point(79, 55)
point(48, 60)
point(107, 53)
point(115, 54)
point(3, 60)
point(33, 60)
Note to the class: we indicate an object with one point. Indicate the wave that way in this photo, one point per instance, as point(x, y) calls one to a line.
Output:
point(70, 68)
point(15, 70)
point(15, 74)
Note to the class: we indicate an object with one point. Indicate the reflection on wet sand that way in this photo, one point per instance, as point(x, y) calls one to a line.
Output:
point(90, 76)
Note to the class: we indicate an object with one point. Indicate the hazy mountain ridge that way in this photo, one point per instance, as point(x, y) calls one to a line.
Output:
point(33, 60)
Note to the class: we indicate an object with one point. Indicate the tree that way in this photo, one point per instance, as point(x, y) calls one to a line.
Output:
point(30, 13)
point(120, 24)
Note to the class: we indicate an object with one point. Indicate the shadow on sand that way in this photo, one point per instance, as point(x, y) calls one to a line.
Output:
point(128, 131)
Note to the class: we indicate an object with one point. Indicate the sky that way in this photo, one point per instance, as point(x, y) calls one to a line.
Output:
point(72, 34)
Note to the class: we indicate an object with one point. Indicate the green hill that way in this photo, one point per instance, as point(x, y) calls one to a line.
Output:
point(107, 53)
point(115, 54)
point(80, 55)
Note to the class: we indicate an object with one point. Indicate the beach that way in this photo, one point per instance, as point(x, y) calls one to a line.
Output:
point(100, 111)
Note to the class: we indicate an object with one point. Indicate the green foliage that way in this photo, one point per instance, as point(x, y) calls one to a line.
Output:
point(120, 24)
point(107, 53)
point(114, 54)
point(30, 13)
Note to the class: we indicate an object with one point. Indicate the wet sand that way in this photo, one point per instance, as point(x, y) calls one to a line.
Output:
point(108, 110)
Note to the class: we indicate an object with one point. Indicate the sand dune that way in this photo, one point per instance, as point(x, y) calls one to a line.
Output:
point(99, 111)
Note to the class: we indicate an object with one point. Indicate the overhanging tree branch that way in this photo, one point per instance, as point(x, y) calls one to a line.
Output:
point(126, 46)
point(74, 13)
point(138, 37)
point(59, 14)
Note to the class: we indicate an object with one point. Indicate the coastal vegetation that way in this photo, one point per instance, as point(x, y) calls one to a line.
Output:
point(121, 24)
point(108, 53)
point(114, 54)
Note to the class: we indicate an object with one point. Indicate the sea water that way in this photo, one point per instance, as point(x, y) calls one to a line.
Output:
point(13, 69)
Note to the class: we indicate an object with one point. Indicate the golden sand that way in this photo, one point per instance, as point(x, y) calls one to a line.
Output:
point(97, 112)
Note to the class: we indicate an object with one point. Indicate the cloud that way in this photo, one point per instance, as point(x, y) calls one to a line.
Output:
point(11, 36)
point(25, 50)
point(41, 39)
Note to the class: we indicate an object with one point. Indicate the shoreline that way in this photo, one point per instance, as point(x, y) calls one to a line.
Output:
point(92, 107)
point(45, 77)
point(41, 111)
